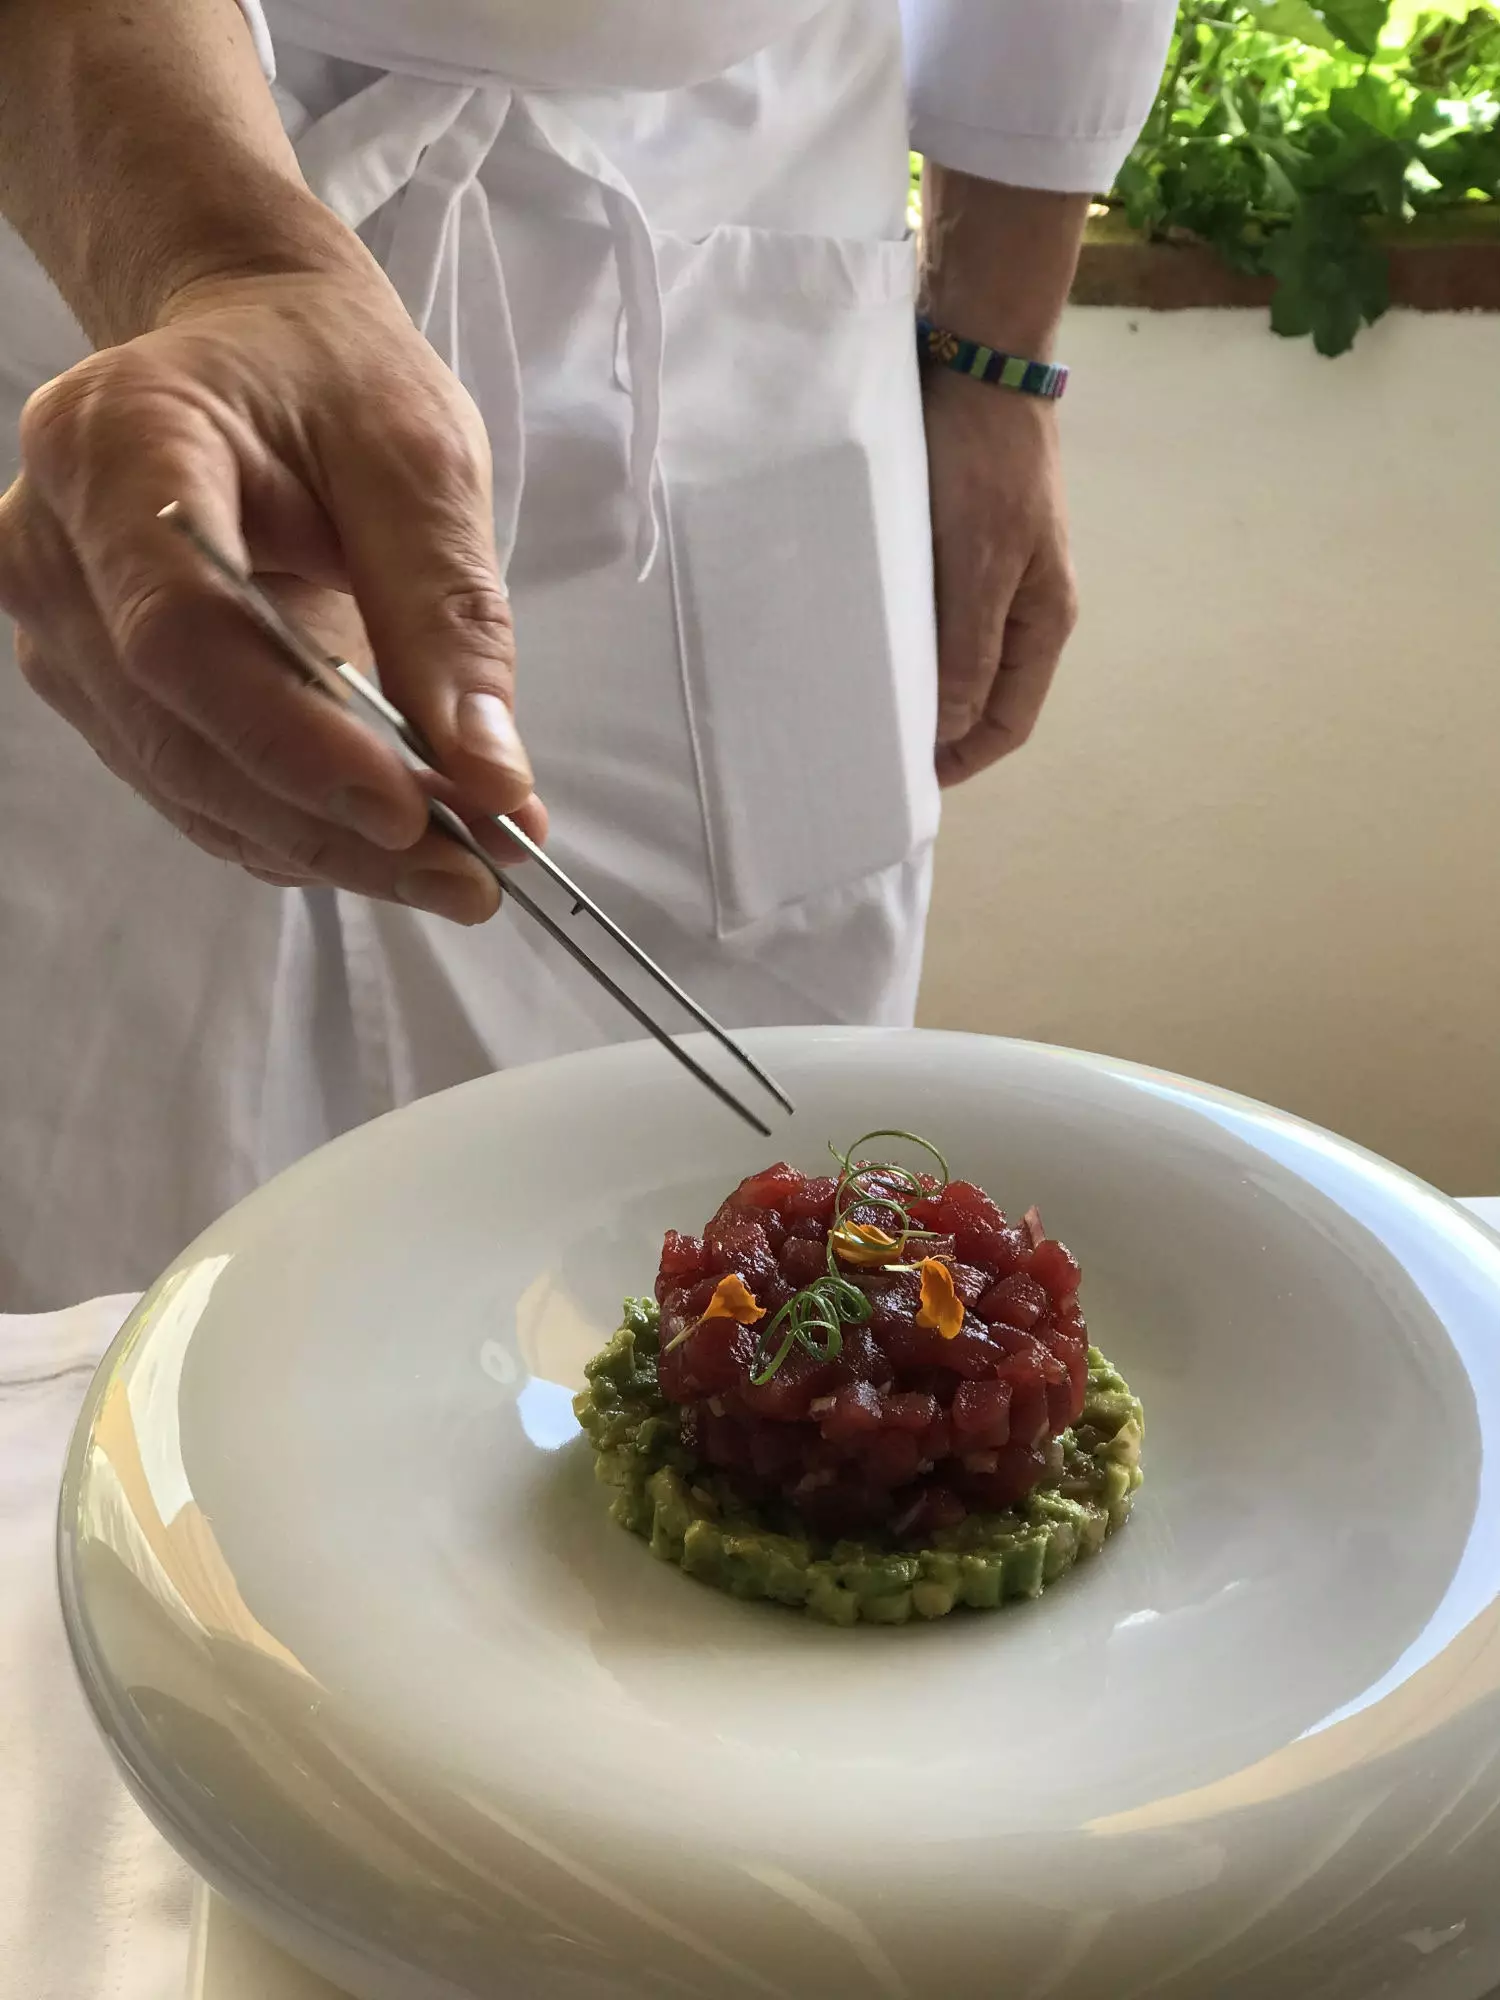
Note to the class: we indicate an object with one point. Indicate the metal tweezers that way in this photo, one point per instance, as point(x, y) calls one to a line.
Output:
point(348, 686)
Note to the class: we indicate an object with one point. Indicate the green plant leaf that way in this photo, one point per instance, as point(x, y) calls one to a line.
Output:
point(1285, 126)
point(1356, 22)
point(1404, 19)
point(1371, 104)
point(1467, 163)
point(1330, 278)
point(1279, 184)
point(1293, 18)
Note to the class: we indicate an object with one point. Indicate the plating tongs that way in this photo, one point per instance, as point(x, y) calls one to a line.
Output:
point(347, 685)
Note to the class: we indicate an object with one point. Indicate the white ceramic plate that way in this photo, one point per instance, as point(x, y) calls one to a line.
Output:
point(346, 1600)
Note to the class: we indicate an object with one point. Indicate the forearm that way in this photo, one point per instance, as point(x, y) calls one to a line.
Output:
point(998, 262)
point(141, 152)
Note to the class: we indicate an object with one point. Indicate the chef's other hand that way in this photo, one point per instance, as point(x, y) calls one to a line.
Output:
point(1006, 601)
point(313, 434)
point(997, 265)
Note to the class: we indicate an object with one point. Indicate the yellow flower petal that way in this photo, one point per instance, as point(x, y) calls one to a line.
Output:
point(942, 1309)
point(733, 1299)
point(863, 1245)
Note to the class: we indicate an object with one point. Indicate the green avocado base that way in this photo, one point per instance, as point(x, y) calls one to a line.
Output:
point(690, 1516)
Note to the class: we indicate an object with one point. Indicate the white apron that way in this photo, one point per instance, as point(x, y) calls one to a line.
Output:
point(684, 307)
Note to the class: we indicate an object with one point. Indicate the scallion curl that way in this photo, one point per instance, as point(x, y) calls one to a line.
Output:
point(815, 1317)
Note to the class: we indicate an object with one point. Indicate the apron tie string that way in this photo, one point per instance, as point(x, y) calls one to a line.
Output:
point(641, 303)
point(427, 142)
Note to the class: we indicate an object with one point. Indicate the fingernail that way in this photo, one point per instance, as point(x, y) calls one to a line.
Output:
point(374, 816)
point(446, 893)
point(486, 728)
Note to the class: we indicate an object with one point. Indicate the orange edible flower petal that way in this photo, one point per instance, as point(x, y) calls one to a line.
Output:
point(942, 1308)
point(733, 1299)
point(863, 1245)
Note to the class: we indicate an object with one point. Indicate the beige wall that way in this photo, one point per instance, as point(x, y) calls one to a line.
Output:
point(1257, 835)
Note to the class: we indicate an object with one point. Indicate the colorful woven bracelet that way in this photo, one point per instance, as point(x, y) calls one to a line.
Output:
point(968, 357)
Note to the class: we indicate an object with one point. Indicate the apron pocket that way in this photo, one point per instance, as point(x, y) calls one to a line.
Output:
point(798, 533)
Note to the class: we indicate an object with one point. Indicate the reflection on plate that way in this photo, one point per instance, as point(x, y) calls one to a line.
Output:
point(352, 1616)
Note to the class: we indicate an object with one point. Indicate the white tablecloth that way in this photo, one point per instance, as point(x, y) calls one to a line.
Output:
point(93, 1904)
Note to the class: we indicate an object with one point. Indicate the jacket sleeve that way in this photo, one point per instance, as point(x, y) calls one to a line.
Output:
point(1036, 93)
point(260, 34)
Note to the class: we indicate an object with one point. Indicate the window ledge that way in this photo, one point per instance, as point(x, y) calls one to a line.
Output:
point(1448, 263)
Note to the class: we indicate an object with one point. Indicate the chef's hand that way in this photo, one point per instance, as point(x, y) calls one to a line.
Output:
point(1006, 601)
point(997, 266)
point(313, 434)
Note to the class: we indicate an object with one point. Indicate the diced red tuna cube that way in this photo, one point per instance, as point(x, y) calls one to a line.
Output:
point(1017, 1471)
point(981, 1416)
point(1017, 1301)
point(1054, 1266)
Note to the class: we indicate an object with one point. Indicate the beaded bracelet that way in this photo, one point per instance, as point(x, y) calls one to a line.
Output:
point(1009, 371)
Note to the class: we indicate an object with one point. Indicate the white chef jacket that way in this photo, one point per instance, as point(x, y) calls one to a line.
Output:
point(683, 302)
point(1035, 93)
point(690, 328)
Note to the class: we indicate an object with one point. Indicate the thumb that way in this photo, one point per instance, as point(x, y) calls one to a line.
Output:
point(414, 519)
